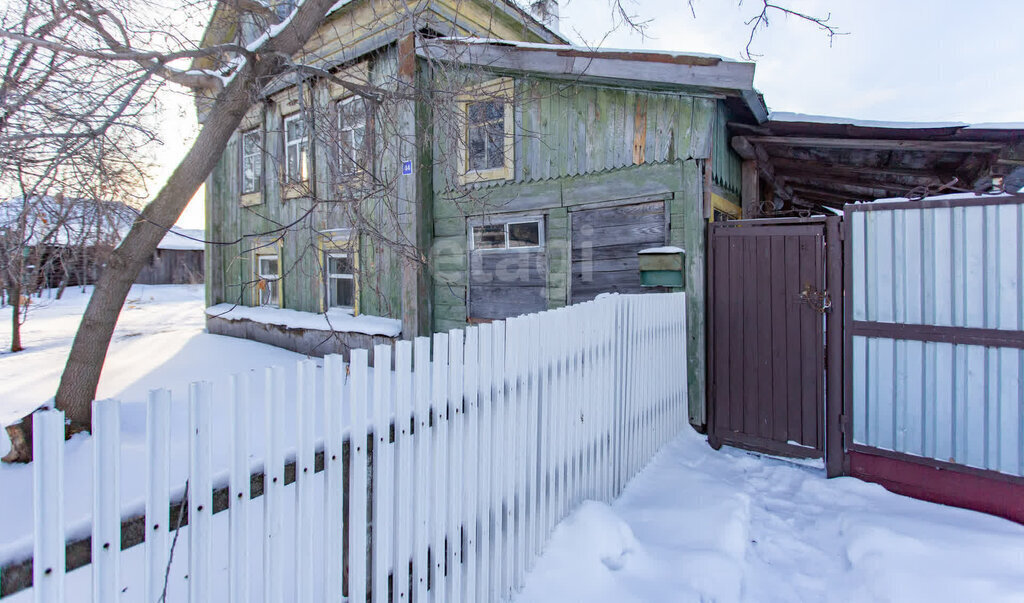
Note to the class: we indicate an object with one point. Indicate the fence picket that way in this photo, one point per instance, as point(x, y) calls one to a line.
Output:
point(334, 484)
point(471, 372)
point(383, 473)
point(158, 517)
point(48, 510)
point(239, 487)
point(498, 462)
point(357, 484)
point(305, 458)
point(106, 503)
point(273, 486)
point(420, 558)
point(484, 472)
point(455, 467)
point(439, 465)
point(404, 488)
point(200, 495)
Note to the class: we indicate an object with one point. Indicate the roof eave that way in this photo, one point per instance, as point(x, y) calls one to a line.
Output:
point(674, 71)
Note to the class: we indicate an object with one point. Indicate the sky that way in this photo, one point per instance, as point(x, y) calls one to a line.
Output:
point(900, 60)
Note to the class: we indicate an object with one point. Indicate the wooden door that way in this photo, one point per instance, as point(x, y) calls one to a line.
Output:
point(767, 305)
point(605, 243)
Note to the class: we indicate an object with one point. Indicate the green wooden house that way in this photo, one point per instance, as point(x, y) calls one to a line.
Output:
point(492, 170)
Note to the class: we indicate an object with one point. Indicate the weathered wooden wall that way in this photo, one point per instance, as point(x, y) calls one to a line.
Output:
point(364, 30)
point(173, 267)
point(579, 147)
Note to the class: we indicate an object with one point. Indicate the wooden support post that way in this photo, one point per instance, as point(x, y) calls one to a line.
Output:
point(750, 190)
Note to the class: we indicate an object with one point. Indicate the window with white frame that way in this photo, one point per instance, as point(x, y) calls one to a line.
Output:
point(352, 143)
point(487, 145)
point(268, 273)
point(341, 280)
point(516, 234)
point(296, 149)
point(252, 161)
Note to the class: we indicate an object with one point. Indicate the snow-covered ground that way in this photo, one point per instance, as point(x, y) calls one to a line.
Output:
point(695, 525)
point(159, 342)
point(701, 525)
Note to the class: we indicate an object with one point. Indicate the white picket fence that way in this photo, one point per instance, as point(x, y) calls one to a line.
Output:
point(464, 459)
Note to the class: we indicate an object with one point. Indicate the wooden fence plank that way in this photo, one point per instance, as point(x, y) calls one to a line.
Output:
point(106, 500)
point(158, 517)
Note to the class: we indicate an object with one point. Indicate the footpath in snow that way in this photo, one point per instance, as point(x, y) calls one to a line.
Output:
point(705, 525)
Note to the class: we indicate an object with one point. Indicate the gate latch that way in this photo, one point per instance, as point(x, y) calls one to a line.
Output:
point(819, 300)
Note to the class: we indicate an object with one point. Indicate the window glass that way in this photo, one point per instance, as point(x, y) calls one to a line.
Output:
point(524, 234)
point(485, 135)
point(341, 284)
point(252, 164)
point(296, 144)
point(267, 269)
point(352, 135)
point(489, 236)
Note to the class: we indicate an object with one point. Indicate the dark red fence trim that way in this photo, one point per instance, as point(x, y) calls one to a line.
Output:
point(938, 482)
point(959, 335)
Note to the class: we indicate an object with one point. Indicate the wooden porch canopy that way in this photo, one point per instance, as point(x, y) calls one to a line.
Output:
point(796, 163)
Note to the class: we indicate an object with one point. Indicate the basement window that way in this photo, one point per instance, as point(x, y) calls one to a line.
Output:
point(268, 273)
point(520, 234)
point(341, 281)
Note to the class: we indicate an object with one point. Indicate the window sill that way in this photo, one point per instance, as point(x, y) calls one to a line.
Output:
point(502, 173)
point(295, 190)
point(250, 199)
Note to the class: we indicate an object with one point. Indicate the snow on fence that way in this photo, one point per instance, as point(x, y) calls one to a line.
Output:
point(440, 479)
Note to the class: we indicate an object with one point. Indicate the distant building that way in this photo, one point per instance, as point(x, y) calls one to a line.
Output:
point(178, 259)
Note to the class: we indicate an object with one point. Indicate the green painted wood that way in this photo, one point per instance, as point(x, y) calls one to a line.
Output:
point(660, 261)
point(689, 234)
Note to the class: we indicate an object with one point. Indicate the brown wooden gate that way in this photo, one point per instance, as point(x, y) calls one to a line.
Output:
point(769, 301)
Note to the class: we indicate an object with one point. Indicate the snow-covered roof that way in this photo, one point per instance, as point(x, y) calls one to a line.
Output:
point(186, 239)
point(335, 320)
point(650, 68)
point(67, 221)
point(605, 51)
point(788, 117)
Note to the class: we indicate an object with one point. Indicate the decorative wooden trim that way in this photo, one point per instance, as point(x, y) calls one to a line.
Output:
point(342, 240)
point(724, 205)
point(498, 89)
point(1000, 338)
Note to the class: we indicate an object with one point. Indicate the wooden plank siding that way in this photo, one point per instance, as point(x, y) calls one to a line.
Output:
point(576, 150)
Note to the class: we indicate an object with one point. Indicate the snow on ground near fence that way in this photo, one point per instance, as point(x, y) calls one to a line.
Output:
point(701, 525)
point(159, 342)
point(513, 424)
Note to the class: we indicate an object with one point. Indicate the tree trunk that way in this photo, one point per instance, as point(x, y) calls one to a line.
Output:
point(85, 362)
point(14, 295)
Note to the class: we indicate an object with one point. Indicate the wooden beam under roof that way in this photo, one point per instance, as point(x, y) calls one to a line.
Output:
point(857, 181)
point(787, 165)
point(862, 191)
point(816, 193)
point(956, 146)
